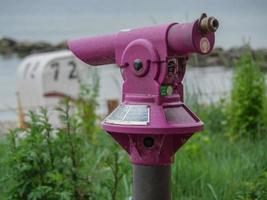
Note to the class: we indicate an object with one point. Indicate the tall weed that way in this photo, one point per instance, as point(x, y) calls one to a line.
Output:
point(247, 98)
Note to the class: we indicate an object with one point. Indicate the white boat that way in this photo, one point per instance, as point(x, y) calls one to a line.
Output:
point(43, 79)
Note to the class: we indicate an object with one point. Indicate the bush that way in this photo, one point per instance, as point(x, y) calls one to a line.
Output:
point(76, 161)
point(46, 163)
point(247, 98)
point(86, 105)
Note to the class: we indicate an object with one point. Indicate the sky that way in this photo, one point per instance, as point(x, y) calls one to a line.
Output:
point(57, 20)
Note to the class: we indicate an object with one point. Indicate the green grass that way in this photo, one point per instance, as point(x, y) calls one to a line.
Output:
point(211, 167)
point(3, 158)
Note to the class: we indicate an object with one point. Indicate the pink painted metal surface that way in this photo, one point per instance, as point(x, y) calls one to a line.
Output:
point(187, 38)
point(95, 50)
point(153, 63)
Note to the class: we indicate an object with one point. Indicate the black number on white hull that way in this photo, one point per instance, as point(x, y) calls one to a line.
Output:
point(73, 72)
point(56, 73)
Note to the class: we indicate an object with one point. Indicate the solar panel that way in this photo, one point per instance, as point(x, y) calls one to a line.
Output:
point(129, 115)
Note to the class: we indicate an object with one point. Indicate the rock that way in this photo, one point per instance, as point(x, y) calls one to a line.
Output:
point(62, 45)
point(8, 42)
point(7, 46)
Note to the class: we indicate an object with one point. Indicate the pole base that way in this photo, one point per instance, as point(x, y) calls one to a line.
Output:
point(151, 182)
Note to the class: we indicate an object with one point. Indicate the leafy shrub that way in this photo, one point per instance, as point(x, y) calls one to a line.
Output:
point(247, 98)
point(76, 161)
point(46, 163)
point(86, 105)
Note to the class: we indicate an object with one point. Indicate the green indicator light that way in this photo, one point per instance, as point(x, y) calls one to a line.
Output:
point(163, 90)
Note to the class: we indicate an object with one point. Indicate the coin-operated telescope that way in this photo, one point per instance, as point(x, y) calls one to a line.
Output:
point(152, 122)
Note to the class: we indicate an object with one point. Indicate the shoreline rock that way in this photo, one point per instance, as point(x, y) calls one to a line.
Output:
point(10, 47)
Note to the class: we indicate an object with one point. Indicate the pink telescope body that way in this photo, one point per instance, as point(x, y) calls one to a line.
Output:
point(152, 121)
point(180, 39)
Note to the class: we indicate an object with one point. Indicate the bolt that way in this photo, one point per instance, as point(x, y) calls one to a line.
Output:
point(138, 65)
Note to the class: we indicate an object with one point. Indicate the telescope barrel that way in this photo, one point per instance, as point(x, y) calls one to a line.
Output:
point(94, 50)
point(181, 39)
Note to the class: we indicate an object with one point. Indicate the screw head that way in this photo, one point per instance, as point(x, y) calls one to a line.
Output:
point(138, 65)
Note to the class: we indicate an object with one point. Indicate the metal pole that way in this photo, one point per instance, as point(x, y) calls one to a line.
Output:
point(151, 182)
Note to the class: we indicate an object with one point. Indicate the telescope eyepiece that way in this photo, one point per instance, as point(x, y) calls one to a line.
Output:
point(208, 24)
